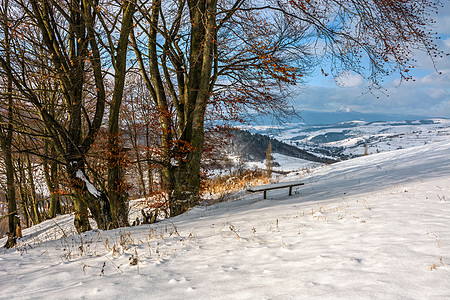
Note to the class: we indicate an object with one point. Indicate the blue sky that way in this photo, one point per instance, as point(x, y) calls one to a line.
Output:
point(428, 95)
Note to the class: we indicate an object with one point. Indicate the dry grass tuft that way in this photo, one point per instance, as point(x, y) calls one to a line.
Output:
point(219, 188)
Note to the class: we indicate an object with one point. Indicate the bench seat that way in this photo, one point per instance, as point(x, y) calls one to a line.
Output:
point(268, 187)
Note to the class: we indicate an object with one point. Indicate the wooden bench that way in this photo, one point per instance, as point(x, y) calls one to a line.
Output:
point(265, 188)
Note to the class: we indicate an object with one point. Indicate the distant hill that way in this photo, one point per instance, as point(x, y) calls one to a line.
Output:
point(327, 118)
point(253, 146)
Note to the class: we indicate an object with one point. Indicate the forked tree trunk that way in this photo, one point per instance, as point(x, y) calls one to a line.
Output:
point(86, 195)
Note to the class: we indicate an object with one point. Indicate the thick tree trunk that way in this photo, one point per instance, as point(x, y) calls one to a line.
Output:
point(81, 220)
point(117, 189)
point(186, 192)
point(51, 179)
point(187, 187)
point(86, 195)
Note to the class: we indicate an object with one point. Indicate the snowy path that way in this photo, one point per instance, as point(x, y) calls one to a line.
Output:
point(374, 227)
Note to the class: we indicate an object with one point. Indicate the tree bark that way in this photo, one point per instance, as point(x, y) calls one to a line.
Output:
point(10, 187)
point(51, 179)
point(117, 187)
point(187, 187)
point(34, 201)
point(148, 157)
point(21, 181)
point(6, 136)
point(86, 195)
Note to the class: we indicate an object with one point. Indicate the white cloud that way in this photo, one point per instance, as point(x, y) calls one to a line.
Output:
point(437, 93)
point(428, 95)
point(347, 79)
point(446, 42)
point(435, 79)
point(415, 98)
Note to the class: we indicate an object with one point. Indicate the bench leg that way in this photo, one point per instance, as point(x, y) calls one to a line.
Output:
point(290, 191)
point(265, 194)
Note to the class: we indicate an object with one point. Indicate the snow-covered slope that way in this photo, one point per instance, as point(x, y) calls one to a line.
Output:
point(350, 139)
point(371, 227)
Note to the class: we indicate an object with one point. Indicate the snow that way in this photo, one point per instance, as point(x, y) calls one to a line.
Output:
point(371, 227)
point(173, 162)
point(287, 163)
point(355, 135)
point(91, 188)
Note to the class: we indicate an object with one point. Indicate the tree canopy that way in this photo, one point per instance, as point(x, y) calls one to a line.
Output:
point(196, 60)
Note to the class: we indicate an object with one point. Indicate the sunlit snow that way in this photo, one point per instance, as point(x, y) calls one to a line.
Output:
point(371, 227)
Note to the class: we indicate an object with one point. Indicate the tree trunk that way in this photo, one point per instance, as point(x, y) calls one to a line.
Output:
point(10, 189)
point(86, 195)
point(81, 220)
point(34, 201)
point(148, 157)
point(134, 143)
point(117, 187)
point(26, 213)
point(51, 179)
point(20, 176)
point(25, 191)
point(6, 143)
point(203, 16)
point(187, 187)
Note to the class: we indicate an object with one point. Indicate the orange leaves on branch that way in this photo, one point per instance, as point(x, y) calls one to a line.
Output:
point(277, 70)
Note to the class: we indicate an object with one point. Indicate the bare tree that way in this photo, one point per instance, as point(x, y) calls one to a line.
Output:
point(196, 58)
point(72, 35)
point(198, 54)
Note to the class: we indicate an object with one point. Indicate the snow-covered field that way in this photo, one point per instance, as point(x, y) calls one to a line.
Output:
point(371, 227)
point(355, 137)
